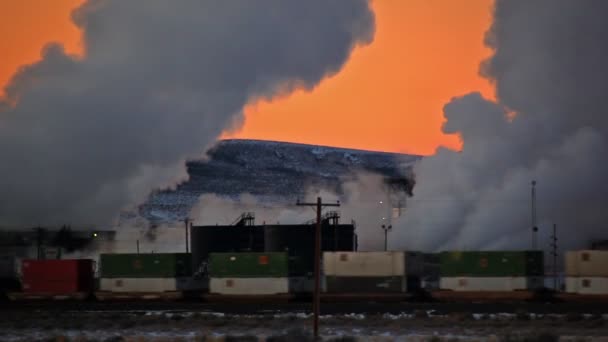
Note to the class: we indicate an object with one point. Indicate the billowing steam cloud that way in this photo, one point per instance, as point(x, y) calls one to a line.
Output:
point(363, 201)
point(80, 138)
point(550, 67)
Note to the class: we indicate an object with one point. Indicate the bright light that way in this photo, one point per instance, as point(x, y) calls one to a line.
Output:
point(94, 234)
point(380, 202)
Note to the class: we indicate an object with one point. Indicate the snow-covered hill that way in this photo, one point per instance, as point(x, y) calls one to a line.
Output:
point(271, 171)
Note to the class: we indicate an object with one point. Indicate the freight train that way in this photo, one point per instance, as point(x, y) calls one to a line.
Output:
point(347, 275)
point(277, 261)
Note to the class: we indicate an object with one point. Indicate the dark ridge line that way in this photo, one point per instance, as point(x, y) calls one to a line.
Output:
point(346, 149)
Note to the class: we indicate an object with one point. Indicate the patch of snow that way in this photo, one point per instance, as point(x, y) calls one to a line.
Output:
point(478, 316)
point(355, 316)
point(398, 316)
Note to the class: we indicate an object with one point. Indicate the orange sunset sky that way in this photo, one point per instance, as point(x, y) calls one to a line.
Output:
point(388, 97)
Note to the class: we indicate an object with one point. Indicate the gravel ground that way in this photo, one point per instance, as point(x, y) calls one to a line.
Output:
point(178, 325)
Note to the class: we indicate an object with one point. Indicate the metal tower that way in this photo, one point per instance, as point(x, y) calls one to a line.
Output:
point(534, 226)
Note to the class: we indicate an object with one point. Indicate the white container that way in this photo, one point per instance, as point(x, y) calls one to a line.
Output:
point(490, 283)
point(364, 264)
point(587, 263)
point(587, 285)
point(150, 284)
point(249, 286)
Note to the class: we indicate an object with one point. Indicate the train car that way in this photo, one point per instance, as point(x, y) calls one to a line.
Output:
point(463, 276)
point(221, 239)
point(147, 276)
point(372, 272)
point(587, 272)
point(249, 274)
point(490, 274)
point(56, 279)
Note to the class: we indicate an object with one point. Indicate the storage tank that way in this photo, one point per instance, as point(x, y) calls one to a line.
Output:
point(300, 238)
point(587, 272)
point(491, 270)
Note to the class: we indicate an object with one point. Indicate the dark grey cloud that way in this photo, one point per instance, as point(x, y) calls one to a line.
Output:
point(550, 67)
point(160, 80)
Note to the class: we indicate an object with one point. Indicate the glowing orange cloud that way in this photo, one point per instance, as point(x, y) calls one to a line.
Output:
point(390, 94)
point(388, 97)
point(27, 25)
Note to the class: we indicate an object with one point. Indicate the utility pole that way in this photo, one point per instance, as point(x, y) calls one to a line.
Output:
point(386, 221)
point(187, 222)
point(554, 254)
point(534, 226)
point(316, 301)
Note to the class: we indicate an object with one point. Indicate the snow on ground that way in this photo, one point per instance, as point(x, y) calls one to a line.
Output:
point(114, 326)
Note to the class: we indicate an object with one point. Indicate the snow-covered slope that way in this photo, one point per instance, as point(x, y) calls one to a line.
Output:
point(271, 171)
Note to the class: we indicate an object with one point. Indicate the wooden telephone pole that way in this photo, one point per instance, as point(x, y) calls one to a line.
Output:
point(316, 301)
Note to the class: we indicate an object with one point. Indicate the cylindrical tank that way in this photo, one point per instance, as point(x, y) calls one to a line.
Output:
point(299, 242)
point(300, 238)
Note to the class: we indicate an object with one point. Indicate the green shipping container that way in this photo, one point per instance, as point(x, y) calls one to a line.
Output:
point(156, 265)
point(491, 264)
point(248, 265)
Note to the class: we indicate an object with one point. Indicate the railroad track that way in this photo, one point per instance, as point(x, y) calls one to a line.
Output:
point(326, 308)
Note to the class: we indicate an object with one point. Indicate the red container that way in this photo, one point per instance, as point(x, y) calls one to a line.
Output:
point(57, 276)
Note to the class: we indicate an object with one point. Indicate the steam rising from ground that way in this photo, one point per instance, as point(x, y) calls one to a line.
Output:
point(550, 68)
point(80, 138)
point(549, 124)
point(161, 80)
point(360, 202)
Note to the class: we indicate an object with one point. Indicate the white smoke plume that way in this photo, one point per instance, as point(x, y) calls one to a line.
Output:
point(364, 201)
point(550, 69)
point(82, 137)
